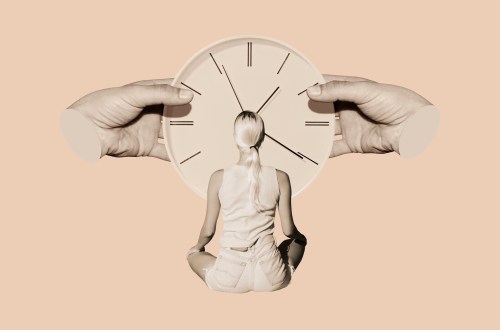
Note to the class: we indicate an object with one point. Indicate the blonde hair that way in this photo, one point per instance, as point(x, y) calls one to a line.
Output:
point(248, 134)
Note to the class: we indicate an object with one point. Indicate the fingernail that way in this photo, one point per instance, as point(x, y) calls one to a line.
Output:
point(314, 90)
point(185, 94)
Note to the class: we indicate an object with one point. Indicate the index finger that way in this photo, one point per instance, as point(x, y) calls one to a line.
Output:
point(167, 81)
point(141, 96)
point(358, 92)
point(332, 77)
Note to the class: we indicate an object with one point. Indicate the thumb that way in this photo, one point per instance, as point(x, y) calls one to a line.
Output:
point(144, 95)
point(358, 92)
point(339, 147)
point(159, 151)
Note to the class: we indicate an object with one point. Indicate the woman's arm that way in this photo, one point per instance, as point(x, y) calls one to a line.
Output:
point(285, 209)
point(213, 207)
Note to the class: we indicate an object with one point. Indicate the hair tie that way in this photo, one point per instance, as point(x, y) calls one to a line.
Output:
point(254, 146)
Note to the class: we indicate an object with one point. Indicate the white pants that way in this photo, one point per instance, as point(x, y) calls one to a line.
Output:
point(260, 268)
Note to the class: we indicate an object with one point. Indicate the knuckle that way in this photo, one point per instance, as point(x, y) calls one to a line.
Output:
point(168, 90)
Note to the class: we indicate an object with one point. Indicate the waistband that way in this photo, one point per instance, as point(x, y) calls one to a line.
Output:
point(255, 247)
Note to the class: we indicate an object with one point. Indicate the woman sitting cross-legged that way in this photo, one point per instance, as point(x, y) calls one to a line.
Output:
point(248, 194)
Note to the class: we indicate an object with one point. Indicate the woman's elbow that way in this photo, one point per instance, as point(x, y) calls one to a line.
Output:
point(289, 231)
point(207, 233)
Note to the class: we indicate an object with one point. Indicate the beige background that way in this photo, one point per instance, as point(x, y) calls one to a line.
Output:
point(394, 243)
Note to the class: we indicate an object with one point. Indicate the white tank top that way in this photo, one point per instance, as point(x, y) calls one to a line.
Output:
point(243, 224)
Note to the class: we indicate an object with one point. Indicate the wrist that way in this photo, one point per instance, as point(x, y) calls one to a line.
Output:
point(81, 135)
point(417, 132)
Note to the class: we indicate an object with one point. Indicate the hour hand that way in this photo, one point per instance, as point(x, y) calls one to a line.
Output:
point(268, 99)
point(230, 83)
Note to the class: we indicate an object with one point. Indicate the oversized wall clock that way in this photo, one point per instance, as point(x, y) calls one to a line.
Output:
point(257, 74)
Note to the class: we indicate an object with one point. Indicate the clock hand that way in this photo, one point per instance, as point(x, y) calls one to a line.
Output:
point(308, 158)
point(268, 99)
point(284, 146)
point(232, 88)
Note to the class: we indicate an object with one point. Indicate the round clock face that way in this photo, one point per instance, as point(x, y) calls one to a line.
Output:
point(256, 74)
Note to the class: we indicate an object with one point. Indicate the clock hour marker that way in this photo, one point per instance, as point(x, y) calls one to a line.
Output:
point(215, 63)
point(185, 160)
point(181, 122)
point(306, 89)
point(286, 58)
point(249, 54)
point(317, 123)
point(194, 90)
point(308, 158)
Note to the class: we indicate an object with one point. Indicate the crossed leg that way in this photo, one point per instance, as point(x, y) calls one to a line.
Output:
point(200, 262)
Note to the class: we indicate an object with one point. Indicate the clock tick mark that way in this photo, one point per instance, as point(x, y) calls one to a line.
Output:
point(185, 160)
point(307, 158)
point(181, 122)
point(306, 89)
point(215, 63)
point(286, 58)
point(317, 123)
point(249, 54)
point(194, 90)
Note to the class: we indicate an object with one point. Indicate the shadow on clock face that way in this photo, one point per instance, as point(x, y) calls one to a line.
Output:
point(178, 111)
point(320, 107)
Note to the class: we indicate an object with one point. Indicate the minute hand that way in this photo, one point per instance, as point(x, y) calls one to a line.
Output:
point(230, 83)
point(284, 146)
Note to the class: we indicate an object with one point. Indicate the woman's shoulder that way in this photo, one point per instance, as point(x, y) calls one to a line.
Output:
point(218, 173)
point(216, 177)
point(281, 176)
point(279, 173)
point(283, 182)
